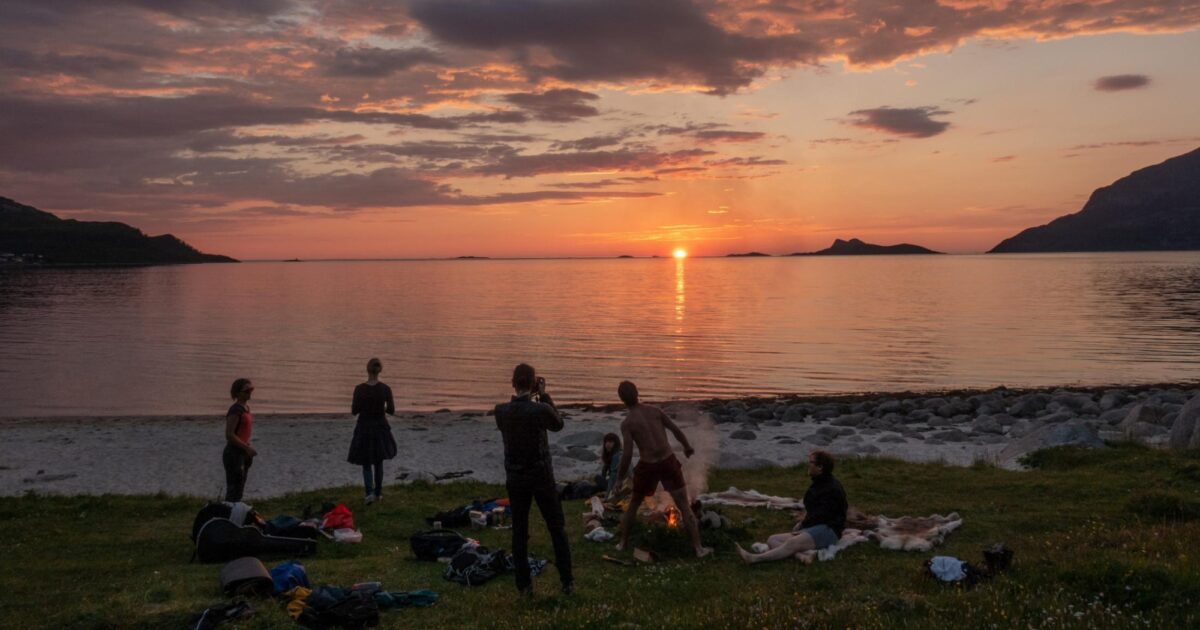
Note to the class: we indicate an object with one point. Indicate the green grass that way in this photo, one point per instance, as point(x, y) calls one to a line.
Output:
point(1102, 539)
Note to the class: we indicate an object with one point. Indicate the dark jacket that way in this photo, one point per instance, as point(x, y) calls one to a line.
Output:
point(825, 504)
point(523, 424)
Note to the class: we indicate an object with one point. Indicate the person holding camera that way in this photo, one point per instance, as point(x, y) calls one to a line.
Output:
point(529, 473)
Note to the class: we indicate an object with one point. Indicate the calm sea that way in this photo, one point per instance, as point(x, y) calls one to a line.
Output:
point(169, 340)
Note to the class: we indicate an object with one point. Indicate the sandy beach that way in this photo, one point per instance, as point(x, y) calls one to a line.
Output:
point(180, 455)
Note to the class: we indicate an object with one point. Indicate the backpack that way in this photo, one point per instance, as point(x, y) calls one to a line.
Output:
point(475, 565)
point(287, 576)
point(339, 517)
point(436, 543)
point(333, 607)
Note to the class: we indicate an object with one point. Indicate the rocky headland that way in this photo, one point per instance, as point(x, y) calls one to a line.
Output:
point(1155, 208)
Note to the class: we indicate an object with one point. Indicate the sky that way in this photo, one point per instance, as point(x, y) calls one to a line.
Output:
point(267, 129)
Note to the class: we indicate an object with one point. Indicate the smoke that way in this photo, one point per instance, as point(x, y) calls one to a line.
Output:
point(701, 433)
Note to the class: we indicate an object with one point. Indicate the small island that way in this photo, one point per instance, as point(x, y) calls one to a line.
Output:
point(855, 247)
point(29, 236)
point(748, 255)
point(472, 258)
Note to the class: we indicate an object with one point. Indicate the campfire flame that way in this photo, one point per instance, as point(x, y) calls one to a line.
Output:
point(672, 515)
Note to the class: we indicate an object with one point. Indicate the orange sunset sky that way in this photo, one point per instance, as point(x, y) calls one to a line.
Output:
point(342, 129)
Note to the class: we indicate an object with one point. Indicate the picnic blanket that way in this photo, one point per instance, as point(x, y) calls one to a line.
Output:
point(904, 533)
point(750, 498)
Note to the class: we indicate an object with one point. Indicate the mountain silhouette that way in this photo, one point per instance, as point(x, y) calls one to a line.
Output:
point(855, 247)
point(1155, 208)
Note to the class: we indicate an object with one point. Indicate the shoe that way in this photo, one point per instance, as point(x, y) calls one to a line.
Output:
point(369, 499)
point(568, 588)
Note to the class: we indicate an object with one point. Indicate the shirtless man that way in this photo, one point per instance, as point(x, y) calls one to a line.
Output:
point(647, 427)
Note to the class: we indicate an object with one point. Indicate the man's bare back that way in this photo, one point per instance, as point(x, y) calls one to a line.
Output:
point(647, 426)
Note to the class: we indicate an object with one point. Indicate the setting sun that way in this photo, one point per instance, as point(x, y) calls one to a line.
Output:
point(680, 252)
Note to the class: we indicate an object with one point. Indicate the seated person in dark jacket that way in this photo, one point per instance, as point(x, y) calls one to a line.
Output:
point(529, 473)
point(824, 516)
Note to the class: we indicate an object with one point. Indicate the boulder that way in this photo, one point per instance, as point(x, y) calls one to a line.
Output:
point(1113, 416)
point(1048, 436)
point(832, 432)
point(795, 413)
point(955, 407)
point(583, 438)
point(917, 416)
point(1029, 404)
point(892, 438)
point(1139, 431)
point(762, 413)
point(743, 434)
point(1144, 412)
point(932, 404)
point(772, 423)
point(987, 424)
point(891, 405)
point(1185, 432)
point(950, 435)
point(1112, 399)
point(866, 449)
point(582, 454)
point(992, 407)
point(849, 420)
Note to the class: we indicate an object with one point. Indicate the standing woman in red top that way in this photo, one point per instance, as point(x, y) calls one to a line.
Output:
point(238, 453)
point(372, 442)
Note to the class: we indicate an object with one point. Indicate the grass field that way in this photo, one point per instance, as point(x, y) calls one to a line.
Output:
point(1107, 538)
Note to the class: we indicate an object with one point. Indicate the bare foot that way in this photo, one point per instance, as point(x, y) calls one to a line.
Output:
point(621, 546)
point(703, 552)
point(746, 556)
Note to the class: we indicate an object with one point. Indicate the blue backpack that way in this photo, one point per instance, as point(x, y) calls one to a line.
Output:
point(288, 576)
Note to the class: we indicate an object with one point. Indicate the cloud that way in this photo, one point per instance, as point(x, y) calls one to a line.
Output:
point(590, 143)
point(511, 166)
point(560, 105)
point(910, 122)
point(1120, 82)
point(727, 135)
point(376, 63)
point(614, 40)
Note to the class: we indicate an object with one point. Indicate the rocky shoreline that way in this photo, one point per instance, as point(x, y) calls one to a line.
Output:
point(181, 454)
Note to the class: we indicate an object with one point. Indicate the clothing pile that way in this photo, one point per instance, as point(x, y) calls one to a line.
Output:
point(324, 606)
point(475, 564)
point(996, 559)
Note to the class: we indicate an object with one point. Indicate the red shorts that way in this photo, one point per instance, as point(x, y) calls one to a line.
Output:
point(647, 476)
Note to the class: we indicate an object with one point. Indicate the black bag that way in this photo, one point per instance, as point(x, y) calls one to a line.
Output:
point(997, 558)
point(220, 540)
point(436, 543)
point(208, 513)
point(332, 607)
point(475, 565)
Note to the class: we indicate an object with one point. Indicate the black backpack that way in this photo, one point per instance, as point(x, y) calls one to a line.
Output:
point(436, 543)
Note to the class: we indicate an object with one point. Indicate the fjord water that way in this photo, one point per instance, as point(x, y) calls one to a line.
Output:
point(169, 340)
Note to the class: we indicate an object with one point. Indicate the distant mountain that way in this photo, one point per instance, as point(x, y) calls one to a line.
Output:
point(855, 247)
point(747, 255)
point(1155, 208)
point(33, 234)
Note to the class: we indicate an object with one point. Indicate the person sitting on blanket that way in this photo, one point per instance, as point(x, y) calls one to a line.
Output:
point(825, 509)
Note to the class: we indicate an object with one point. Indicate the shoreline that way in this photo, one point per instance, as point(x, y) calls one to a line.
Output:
point(180, 454)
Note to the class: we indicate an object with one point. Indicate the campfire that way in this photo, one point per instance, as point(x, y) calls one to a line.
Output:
point(672, 517)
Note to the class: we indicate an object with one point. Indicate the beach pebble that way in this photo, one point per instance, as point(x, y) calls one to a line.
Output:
point(743, 434)
point(987, 424)
point(762, 413)
point(891, 405)
point(795, 413)
point(954, 407)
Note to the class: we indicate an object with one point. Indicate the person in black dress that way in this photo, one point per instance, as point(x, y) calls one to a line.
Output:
point(372, 442)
